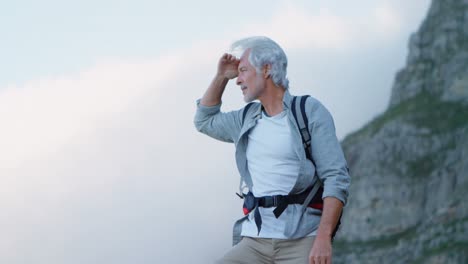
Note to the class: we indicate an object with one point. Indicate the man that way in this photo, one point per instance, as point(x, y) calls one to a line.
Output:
point(272, 160)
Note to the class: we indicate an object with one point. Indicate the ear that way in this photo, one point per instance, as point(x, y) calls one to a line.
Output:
point(266, 71)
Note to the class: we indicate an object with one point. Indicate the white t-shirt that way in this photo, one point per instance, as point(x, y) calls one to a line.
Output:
point(274, 167)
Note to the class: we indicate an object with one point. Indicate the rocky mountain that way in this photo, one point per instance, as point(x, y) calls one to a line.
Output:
point(409, 166)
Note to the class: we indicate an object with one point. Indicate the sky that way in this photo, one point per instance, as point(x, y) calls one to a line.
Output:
point(99, 158)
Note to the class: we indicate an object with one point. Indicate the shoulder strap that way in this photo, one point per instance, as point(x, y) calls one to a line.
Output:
point(302, 121)
point(300, 115)
point(303, 124)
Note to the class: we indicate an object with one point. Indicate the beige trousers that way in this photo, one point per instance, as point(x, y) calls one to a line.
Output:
point(269, 251)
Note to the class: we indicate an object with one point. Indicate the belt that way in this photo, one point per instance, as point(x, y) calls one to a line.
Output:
point(274, 201)
point(281, 202)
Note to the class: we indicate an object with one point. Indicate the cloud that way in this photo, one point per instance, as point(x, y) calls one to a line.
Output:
point(299, 30)
point(321, 28)
point(41, 116)
point(295, 28)
point(388, 20)
point(92, 160)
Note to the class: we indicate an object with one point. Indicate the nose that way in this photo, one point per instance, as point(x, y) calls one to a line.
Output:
point(238, 81)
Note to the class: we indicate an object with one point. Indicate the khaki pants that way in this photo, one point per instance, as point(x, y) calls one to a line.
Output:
point(269, 251)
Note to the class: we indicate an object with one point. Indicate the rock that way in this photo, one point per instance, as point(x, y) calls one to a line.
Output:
point(409, 166)
point(438, 55)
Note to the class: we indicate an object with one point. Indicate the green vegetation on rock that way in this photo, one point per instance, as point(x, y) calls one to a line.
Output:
point(423, 111)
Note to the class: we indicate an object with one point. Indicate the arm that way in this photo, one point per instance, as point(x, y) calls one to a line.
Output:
point(227, 69)
point(208, 118)
point(321, 251)
point(332, 169)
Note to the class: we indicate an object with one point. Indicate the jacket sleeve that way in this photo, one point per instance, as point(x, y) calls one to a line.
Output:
point(211, 121)
point(328, 155)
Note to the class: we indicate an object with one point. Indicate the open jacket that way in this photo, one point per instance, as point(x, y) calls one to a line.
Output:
point(326, 151)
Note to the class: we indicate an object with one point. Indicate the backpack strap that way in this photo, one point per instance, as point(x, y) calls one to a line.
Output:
point(303, 124)
point(302, 121)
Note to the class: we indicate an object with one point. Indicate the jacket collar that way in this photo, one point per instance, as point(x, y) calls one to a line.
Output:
point(287, 101)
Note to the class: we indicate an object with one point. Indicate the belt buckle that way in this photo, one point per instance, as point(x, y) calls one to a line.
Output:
point(275, 200)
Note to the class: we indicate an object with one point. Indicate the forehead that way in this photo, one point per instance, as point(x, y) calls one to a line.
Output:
point(244, 59)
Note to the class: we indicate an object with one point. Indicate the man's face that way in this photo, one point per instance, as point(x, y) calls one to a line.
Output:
point(252, 84)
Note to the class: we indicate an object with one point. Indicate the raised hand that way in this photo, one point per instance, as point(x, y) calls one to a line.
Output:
point(227, 66)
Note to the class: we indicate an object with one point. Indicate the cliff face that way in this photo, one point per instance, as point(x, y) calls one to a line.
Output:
point(409, 166)
point(438, 55)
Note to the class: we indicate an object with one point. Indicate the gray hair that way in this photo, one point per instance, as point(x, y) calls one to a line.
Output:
point(265, 51)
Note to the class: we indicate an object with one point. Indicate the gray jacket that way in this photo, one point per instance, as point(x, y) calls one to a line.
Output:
point(326, 151)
